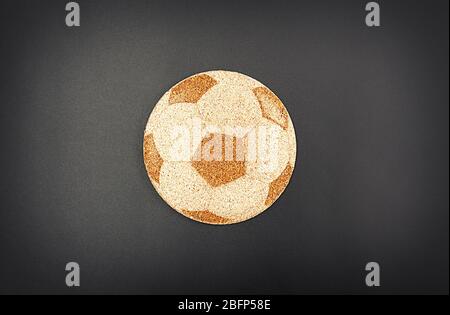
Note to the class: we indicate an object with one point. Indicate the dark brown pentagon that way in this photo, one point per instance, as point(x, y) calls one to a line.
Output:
point(277, 187)
point(191, 89)
point(224, 170)
point(271, 107)
point(206, 217)
point(152, 159)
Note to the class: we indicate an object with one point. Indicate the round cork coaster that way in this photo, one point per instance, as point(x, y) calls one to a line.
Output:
point(219, 147)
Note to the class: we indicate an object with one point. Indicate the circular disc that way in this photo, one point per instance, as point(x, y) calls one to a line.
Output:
point(219, 147)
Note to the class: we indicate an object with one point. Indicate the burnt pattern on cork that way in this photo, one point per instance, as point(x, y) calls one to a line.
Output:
point(277, 187)
point(206, 217)
point(152, 159)
point(223, 171)
point(271, 107)
point(191, 89)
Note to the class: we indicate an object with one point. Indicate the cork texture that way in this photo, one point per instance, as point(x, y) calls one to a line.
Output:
point(153, 160)
point(191, 89)
point(219, 172)
point(220, 147)
point(205, 217)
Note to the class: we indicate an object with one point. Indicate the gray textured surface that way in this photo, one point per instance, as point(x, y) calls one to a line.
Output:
point(371, 111)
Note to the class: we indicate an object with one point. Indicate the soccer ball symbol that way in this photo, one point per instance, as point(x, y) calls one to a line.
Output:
point(219, 147)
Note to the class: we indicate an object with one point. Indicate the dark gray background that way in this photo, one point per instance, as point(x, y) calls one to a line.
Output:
point(370, 107)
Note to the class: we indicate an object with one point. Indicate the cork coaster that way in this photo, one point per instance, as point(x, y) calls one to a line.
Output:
point(219, 147)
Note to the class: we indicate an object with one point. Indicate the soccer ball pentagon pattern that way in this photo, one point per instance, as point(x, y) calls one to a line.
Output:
point(220, 147)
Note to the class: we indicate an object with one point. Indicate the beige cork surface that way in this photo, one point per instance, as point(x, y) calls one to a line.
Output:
point(220, 147)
